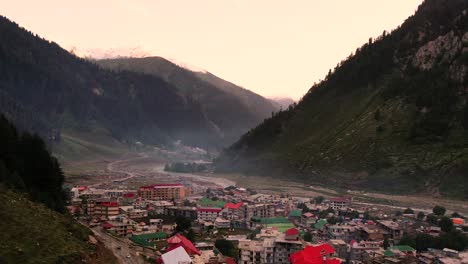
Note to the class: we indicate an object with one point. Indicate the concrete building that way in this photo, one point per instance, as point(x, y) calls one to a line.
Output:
point(132, 212)
point(208, 214)
point(163, 192)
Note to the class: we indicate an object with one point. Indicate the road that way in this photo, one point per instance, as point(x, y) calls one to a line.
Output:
point(113, 244)
point(114, 167)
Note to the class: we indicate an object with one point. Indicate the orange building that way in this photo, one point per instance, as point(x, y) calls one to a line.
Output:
point(163, 192)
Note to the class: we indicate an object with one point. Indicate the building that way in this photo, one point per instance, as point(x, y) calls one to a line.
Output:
point(185, 211)
point(132, 213)
point(342, 232)
point(272, 246)
point(163, 192)
point(208, 214)
point(232, 211)
point(264, 210)
point(392, 228)
point(104, 209)
point(222, 223)
point(123, 228)
point(340, 203)
point(340, 247)
point(322, 254)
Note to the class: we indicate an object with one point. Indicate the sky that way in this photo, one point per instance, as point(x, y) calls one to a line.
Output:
point(272, 47)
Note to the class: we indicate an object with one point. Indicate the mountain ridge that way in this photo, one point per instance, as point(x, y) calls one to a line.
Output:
point(388, 118)
point(232, 109)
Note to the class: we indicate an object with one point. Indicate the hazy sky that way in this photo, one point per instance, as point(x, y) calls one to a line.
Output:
point(275, 48)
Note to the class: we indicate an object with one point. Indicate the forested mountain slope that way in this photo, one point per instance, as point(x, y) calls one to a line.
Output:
point(232, 109)
point(51, 89)
point(392, 117)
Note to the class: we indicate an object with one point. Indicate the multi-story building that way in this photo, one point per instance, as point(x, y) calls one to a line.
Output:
point(392, 228)
point(106, 209)
point(272, 247)
point(163, 192)
point(264, 210)
point(343, 232)
point(185, 211)
point(123, 228)
point(132, 212)
point(340, 203)
point(208, 214)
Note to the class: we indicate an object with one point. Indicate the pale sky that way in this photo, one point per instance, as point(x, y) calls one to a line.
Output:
point(272, 47)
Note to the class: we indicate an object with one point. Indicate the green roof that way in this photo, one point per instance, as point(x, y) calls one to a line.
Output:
point(271, 220)
point(403, 248)
point(143, 240)
point(295, 213)
point(282, 227)
point(388, 253)
point(320, 223)
point(205, 202)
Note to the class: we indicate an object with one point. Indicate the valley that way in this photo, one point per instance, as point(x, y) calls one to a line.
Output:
point(135, 170)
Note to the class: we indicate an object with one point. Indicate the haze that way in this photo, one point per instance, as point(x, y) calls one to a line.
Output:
point(275, 48)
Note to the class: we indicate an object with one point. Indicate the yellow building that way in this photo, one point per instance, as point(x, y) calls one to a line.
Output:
point(163, 192)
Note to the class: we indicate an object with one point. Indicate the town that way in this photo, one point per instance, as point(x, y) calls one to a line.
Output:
point(172, 223)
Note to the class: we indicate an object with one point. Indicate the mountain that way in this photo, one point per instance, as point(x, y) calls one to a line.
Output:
point(282, 102)
point(393, 117)
point(51, 91)
point(231, 109)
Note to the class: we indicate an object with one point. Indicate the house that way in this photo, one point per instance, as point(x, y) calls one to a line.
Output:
point(104, 208)
point(308, 219)
point(392, 228)
point(292, 234)
point(340, 247)
point(147, 240)
point(180, 241)
point(232, 211)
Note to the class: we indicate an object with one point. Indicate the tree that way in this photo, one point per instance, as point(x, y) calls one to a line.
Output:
point(308, 237)
point(408, 211)
point(457, 215)
point(438, 210)
point(191, 235)
point(446, 224)
point(332, 220)
point(319, 199)
point(183, 224)
point(226, 247)
point(386, 244)
point(421, 215)
point(431, 218)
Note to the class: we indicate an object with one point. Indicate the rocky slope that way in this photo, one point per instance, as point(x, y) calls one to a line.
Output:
point(392, 117)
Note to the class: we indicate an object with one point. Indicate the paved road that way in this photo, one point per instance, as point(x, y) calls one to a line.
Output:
point(124, 254)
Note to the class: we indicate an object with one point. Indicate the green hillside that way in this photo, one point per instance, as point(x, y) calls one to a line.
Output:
point(391, 117)
point(32, 233)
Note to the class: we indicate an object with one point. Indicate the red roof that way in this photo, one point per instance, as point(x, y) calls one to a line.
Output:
point(109, 204)
point(180, 241)
point(128, 195)
point(292, 232)
point(229, 260)
point(233, 206)
point(82, 188)
point(107, 225)
point(313, 255)
point(211, 210)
